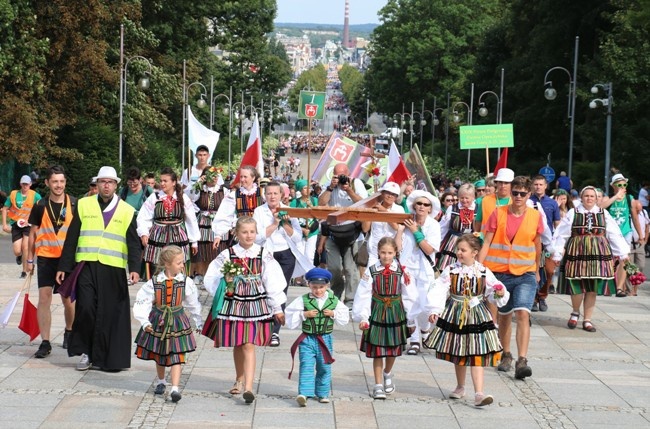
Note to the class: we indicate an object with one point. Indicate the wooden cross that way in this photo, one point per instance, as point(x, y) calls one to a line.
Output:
point(362, 211)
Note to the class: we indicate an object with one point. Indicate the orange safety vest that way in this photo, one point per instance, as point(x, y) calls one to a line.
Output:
point(519, 256)
point(16, 213)
point(488, 205)
point(49, 243)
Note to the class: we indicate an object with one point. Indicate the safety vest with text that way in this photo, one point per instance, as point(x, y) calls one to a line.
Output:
point(96, 243)
point(519, 256)
point(49, 241)
point(16, 213)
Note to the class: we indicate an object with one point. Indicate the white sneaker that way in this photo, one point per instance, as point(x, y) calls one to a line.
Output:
point(301, 400)
point(389, 387)
point(84, 364)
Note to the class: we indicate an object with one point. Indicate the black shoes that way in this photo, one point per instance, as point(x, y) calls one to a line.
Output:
point(160, 389)
point(23, 275)
point(43, 350)
point(176, 396)
point(19, 259)
point(66, 338)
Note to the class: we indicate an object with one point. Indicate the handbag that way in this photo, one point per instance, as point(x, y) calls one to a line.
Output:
point(345, 235)
point(362, 256)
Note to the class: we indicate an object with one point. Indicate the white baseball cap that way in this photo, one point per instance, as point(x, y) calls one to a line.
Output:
point(26, 179)
point(391, 187)
point(505, 175)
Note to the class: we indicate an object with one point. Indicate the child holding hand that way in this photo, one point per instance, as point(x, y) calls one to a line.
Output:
point(315, 312)
point(465, 334)
point(166, 334)
point(381, 304)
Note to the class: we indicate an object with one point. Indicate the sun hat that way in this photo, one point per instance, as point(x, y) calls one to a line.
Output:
point(505, 175)
point(615, 178)
point(107, 172)
point(435, 202)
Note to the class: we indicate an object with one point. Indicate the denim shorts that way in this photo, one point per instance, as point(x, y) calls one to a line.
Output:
point(522, 291)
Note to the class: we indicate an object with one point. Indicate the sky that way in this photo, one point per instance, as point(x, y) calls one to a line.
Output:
point(328, 11)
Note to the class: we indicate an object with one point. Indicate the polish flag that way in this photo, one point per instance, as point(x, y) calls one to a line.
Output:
point(397, 171)
point(253, 154)
point(502, 162)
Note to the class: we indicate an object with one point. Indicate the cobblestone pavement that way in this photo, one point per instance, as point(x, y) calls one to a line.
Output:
point(580, 380)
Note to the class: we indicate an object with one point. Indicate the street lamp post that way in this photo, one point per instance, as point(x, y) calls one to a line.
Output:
point(550, 93)
point(483, 112)
point(401, 129)
point(227, 111)
point(200, 104)
point(608, 101)
point(143, 83)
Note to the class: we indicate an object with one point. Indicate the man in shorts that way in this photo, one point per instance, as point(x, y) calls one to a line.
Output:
point(17, 207)
point(49, 221)
point(511, 250)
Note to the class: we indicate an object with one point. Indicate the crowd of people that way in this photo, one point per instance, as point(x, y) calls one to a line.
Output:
point(446, 272)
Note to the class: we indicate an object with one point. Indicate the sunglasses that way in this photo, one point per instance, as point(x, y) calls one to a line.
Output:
point(519, 193)
point(480, 190)
point(420, 203)
point(621, 185)
point(449, 200)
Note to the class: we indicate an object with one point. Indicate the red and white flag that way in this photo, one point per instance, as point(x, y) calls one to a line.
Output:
point(397, 171)
point(253, 154)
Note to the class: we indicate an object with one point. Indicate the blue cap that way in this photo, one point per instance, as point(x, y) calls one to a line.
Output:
point(318, 275)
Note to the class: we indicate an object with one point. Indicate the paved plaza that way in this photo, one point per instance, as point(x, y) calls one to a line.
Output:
point(580, 380)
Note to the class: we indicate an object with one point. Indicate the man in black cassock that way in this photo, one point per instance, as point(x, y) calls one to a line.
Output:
point(101, 332)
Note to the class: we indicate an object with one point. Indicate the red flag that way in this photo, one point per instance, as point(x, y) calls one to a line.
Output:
point(29, 319)
point(397, 171)
point(502, 162)
point(253, 154)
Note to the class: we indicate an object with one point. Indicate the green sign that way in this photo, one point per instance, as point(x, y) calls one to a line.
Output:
point(311, 105)
point(486, 136)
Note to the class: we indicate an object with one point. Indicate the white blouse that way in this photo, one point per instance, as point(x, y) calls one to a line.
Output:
point(277, 241)
point(363, 297)
point(562, 233)
point(145, 216)
point(145, 298)
point(413, 257)
point(272, 276)
point(294, 312)
point(226, 216)
point(378, 230)
point(445, 221)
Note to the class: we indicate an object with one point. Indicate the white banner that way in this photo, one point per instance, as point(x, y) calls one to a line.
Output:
point(198, 135)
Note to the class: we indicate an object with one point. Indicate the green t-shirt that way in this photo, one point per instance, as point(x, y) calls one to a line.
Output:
point(19, 203)
point(620, 211)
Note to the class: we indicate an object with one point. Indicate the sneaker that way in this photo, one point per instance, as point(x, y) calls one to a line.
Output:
point(301, 400)
point(481, 400)
point(551, 289)
point(66, 338)
point(324, 400)
point(43, 350)
point(378, 392)
point(160, 389)
point(84, 364)
point(458, 393)
point(249, 397)
point(275, 340)
point(19, 259)
point(542, 305)
point(506, 362)
point(23, 275)
point(522, 370)
point(176, 396)
point(535, 307)
point(389, 387)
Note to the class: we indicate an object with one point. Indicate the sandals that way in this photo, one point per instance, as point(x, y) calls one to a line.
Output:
point(414, 349)
point(573, 320)
point(237, 388)
point(588, 326)
point(620, 293)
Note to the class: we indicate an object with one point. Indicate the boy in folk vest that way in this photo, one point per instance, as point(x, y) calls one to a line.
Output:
point(316, 312)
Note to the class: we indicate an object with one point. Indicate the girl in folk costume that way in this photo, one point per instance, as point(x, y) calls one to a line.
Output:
point(465, 334)
point(166, 334)
point(418, 241)
point(383, 300)
point(590, 240)
point(247, 284)
point(207, 194)
point(241, 202)
point(316, 313)
point(167, 217)
point(458, 220)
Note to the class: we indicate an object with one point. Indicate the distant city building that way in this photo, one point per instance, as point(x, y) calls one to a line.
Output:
point(298, 50)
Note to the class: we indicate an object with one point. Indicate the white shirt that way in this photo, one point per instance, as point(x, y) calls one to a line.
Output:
point(277, 241)
point(644, 221)
point(272, 277)
point(412, 255)
point(294, 313)
point(145, 216)
point(643, 197)
point(378, 230)
point(226, 216)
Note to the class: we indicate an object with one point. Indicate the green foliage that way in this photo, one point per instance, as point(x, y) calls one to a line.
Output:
point(352, 86)
point(314, 78)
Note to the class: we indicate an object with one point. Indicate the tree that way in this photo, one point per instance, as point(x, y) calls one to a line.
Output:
point(315, 78)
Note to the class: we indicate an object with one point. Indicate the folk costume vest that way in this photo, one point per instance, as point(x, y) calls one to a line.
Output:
point(320, 324)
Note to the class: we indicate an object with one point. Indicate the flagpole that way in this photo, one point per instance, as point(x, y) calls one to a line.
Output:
point(309, 153)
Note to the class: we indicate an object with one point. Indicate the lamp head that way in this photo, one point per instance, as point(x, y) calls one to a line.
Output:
point(550, 93)
point(200, 103)
point(436, 121)
point(423, 122)
point(483, 111)
point(593, 104)
point(144, 82)
point(226, 110)
point(594, 89)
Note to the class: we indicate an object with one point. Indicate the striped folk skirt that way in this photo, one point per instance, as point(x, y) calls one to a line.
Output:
point(206, 253)
point(162, 235)
point(588, 266)
point(475, 344)
point(388, 332)
point(447, 254)
point(172, 337)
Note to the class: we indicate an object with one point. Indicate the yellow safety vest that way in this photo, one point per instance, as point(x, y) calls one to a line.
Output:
point(96, 243)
